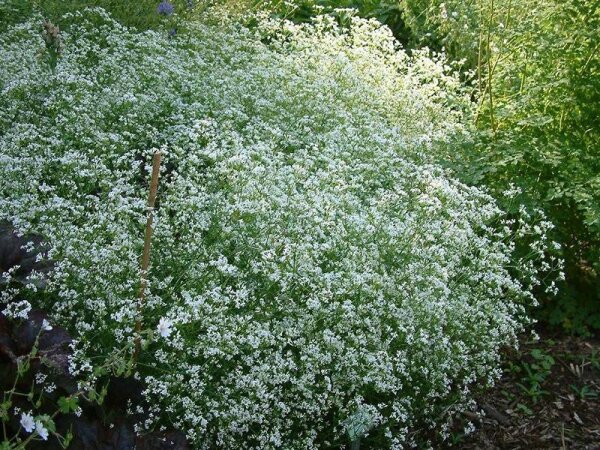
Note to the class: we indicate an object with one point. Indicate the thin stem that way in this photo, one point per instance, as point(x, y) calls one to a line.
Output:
point(489, 61)
point(479, 51)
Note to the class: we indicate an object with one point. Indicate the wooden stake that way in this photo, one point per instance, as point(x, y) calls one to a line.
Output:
point(146, 254)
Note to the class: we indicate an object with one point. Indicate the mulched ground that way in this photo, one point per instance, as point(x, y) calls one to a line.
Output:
point(548, 398)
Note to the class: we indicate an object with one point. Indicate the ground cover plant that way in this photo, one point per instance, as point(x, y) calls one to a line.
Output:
point(44, 406)
point(314, 280)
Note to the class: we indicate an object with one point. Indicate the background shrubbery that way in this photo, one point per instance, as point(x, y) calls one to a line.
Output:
point(141, 14)
point(537, 78)
point(541, 131)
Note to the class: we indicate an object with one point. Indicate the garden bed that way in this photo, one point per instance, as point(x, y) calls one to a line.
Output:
point(317, 279)
point(548, 397)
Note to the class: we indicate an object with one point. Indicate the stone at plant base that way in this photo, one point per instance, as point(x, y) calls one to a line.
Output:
point(23, 251)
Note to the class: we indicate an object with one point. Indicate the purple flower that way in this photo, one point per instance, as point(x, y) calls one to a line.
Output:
point(165, 8)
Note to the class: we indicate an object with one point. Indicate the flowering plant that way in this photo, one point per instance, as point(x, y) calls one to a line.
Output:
point(307, 262)
point(165, 8)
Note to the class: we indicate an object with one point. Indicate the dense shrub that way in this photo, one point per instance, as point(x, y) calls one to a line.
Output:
point(546, 137)
point(309, 271)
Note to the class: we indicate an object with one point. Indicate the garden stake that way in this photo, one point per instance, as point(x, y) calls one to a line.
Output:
point(146, 254)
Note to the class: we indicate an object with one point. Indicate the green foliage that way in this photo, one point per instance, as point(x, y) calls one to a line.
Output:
point(68, 404)
point(536, 79)
point(535, 373)
point(540, 130)
point(141, 14)
point(584, 391)
point(453, 25)
point(595, 360)
point(388, 12)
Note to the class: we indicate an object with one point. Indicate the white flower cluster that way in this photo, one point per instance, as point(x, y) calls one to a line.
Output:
point(306, 263)
point(17, 310)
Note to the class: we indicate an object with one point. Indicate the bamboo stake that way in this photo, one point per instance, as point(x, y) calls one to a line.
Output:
point(146, 254)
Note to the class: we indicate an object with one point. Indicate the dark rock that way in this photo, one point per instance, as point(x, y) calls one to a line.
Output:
point(13, 254)
point(174, 440)
point(123, 390)
point(7, 347)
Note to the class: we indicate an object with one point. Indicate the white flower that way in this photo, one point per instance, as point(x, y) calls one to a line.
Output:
point(443, 11)
point(469, 428)
point(307, 206)
point(27, 422)
point(164, 327)
point(46, 325)
point(17, 310)
point(41, 430)
point(40, 378)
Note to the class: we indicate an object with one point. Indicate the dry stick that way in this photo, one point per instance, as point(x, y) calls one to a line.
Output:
point(146, 254)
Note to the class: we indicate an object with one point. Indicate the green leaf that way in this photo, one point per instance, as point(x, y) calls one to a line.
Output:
point(102, 394)
point(23, 366)
point(68, 404)
point(4, 407)
point(67, 440)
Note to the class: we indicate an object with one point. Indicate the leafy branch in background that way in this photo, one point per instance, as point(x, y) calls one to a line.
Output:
point(536, 77)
